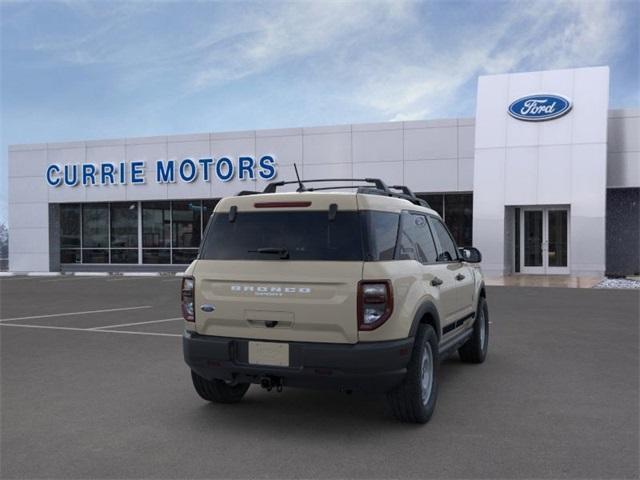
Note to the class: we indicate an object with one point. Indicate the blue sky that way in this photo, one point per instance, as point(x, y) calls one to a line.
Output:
point(81, 70)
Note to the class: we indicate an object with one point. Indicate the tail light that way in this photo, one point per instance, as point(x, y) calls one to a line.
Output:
point(186, 298)
point(375, 303)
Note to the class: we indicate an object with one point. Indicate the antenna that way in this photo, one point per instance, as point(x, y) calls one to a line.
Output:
point(301, 186)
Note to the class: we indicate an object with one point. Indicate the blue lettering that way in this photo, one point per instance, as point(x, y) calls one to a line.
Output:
point(106, 173)
point(229, 168)
point(53, 181)
point(88, 173)
point(68, 179)
point(123, 173)
point(165, 174)
point(193, 170)
point(267, 168)
point(137, 172)
point(246, 164)
point(206, 164)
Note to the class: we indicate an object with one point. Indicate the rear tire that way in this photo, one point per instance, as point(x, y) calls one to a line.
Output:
point(414, 400)
point(475, 350)
point(218, 391)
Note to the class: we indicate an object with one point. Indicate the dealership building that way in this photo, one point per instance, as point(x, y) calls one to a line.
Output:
point(544, 180)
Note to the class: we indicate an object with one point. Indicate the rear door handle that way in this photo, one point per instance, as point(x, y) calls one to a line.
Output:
point(460, 277)
point(436, 282)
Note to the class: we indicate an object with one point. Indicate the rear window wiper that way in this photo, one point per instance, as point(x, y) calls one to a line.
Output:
point(283, 252)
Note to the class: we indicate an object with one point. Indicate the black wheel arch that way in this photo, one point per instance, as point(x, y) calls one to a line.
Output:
point(427, 313)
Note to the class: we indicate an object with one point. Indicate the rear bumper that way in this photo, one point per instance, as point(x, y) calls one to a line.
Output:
point(369, 367)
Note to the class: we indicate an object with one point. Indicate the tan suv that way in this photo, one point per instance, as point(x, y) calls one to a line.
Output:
point(325, 287)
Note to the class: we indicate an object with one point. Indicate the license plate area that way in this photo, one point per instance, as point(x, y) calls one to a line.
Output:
point(269, 353)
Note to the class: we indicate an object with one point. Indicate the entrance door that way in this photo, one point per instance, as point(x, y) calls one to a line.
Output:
point(544, 240)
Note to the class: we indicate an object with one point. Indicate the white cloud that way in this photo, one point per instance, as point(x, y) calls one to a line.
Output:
point(530, 36)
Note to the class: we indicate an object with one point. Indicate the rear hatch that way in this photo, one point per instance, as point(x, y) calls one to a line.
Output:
point(281, 267)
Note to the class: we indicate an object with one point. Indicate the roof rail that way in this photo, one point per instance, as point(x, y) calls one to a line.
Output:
point(376, 187)
point(272, 187)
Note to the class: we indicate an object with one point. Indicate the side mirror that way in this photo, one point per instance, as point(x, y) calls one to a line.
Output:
point(470, 254)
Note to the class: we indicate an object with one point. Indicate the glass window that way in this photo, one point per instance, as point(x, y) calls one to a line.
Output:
point(415, 241)
point(447, 250)
point(95, 225)
point(69, 226)
point(124, 225)
point(381, 233)
point(127, 255)
point(95, 255)
point(70, 255)
point(458, 215)
point(156, 255)
point(435, 201)
point(156, 224)
point(300, 235)
point(558, 238)
point(186, 217)
point(207, 209)
point(184, 255)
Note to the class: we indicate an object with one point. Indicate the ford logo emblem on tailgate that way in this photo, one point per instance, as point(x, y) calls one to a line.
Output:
point(536, 108)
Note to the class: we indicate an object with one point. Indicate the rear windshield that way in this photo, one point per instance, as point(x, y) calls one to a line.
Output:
point(310, 235)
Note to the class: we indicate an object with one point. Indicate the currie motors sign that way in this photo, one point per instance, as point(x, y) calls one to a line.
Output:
point(537, 108)
point(188, 170)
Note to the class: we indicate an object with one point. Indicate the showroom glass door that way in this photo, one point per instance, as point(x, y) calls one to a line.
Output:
point(544, 241)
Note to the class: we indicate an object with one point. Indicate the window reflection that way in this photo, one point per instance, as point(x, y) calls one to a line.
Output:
point(95, 225)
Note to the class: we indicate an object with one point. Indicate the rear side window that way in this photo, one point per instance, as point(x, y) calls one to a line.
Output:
point(380, 230)
point(447, 250)
point(415, 241)
point(266, 235)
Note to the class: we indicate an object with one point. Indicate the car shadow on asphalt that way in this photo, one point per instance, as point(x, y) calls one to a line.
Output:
point(307, 411)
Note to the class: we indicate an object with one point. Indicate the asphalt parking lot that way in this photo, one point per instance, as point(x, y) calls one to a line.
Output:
point(93, 385)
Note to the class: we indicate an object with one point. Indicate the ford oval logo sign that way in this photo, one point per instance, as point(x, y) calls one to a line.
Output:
point(536, 108)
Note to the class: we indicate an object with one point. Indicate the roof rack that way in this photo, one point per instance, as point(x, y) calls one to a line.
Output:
point(376, 187)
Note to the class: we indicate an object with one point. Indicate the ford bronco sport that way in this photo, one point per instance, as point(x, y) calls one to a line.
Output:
point(353, 290)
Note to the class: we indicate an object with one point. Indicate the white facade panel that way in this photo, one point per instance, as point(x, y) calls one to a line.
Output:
point(588, 180)
point(432, 175)
point(466, 141)
point(623, 169)
point(327, 148)
point(377, 146)
point(493, 95)
point(30, 240)
point(521, 176)
point(27, 163)
point(28, 190)
point(28, 215)
point(431, 143)
point(331, 170)
point(28, 262)
point(391, 172)
point(465, 174)
point(624, 134)
point(554, 168)
point(287, 149)
point(591, 105)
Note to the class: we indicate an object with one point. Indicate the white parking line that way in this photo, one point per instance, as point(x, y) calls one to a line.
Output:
point(48, 327)
point(69, 278)
point(75, 313)
point(136, 323)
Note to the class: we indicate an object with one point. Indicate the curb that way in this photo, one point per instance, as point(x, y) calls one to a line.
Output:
point(92, 274)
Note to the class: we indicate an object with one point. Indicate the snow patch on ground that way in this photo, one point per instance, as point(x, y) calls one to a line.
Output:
point(618, 283)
